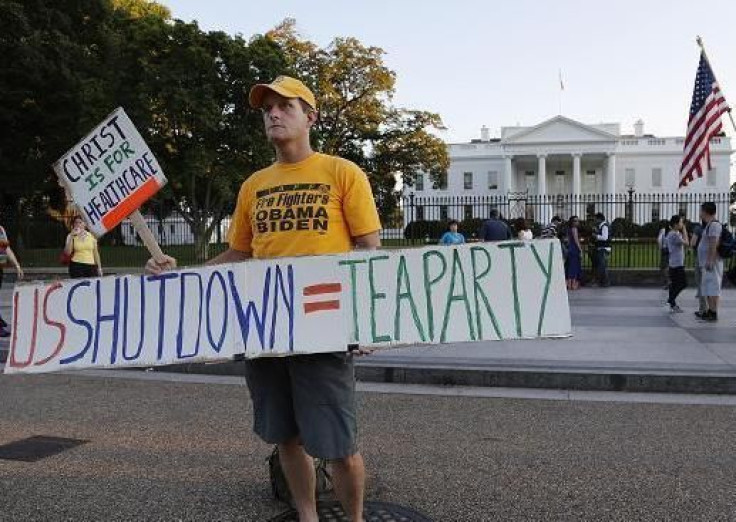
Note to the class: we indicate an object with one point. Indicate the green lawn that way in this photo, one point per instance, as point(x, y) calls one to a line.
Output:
point(117, 256)
point(624, 255)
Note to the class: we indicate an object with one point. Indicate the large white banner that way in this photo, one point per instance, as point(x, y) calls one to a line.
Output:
point(286, 306)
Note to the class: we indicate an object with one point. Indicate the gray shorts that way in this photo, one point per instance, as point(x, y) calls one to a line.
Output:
point(307, 396)
point(711, 280)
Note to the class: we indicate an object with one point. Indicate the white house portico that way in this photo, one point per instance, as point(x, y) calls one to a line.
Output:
point(550, 157)
point(563, 157)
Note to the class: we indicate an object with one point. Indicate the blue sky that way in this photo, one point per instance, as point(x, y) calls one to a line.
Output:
point(496, 63)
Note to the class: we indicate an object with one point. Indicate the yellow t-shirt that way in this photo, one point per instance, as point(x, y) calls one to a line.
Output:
point(83, 250)
point(312, 207)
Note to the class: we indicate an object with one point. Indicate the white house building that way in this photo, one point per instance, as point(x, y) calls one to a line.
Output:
point(563, 157)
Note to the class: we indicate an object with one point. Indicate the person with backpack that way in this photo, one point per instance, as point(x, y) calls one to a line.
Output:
point(675, 241)
point(711, 251)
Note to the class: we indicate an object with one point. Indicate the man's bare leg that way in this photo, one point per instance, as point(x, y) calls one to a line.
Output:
point(349, 479)
point(300, 475)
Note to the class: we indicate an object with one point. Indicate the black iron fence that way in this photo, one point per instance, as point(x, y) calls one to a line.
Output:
point(635, 221)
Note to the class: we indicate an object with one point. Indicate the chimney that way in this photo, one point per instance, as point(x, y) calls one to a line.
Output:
point(485, 134)
point(639, 128)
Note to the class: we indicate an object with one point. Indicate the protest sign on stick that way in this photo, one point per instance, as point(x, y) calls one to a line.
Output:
point(289, 306)
point(110, 174)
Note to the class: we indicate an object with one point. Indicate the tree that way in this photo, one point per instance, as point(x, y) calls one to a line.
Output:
point(49, 58)
point(142, 8)
point(357, 120)
point(197, 120)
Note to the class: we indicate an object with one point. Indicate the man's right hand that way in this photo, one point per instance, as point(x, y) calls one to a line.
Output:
point(154, 267)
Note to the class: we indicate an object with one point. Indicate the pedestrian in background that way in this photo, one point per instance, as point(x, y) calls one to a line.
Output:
point(7, 255)
point(664, 255)
point(573, 266)
point(675, 241)
point(551, 230)
point(711, 264)
point(602, 239)
point(694, 243)
point(452, 236)
point(523, 231)
point(493, 229)
point(81, 246)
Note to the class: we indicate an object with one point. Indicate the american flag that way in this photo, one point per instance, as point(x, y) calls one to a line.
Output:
point(705, 122)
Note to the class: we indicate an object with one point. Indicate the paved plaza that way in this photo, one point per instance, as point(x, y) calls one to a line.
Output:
point(161, 450)
point(179, 447)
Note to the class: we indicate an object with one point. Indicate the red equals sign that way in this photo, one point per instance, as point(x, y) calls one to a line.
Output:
point(324, 289)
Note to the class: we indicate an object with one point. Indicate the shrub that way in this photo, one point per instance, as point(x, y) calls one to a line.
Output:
point(470, 227)
point(421, 229)
point(651, 230)
point(625, 228)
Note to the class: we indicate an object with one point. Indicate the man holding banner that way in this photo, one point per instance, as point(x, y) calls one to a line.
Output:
point(306, 203)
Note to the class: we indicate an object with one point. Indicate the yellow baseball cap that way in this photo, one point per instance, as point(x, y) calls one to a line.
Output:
point(286, 86)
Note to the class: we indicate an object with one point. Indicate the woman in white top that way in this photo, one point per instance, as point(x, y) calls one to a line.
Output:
point(523, 231)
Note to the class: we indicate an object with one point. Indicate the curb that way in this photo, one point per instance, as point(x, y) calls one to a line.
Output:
point(581, 379)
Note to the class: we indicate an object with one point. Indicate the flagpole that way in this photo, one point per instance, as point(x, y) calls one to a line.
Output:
point(699, 40)
point(562, 88)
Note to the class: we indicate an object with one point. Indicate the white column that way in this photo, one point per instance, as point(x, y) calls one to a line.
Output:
point(611, 174)
point(576, 174)
point(542, 175)
point(508, 174)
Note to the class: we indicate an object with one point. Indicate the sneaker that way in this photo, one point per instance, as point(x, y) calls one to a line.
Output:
point(674, 309)
point(709, 316)
point(700, 313)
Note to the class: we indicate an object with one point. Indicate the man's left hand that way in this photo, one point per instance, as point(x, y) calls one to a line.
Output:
point(360, 351)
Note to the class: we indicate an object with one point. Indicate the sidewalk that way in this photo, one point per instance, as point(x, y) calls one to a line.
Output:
point(623, 339)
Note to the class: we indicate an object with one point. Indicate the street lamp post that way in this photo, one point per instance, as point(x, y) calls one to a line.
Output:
point(630, 219)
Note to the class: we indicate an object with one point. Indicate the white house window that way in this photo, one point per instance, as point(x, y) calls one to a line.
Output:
point(467, 180)
point(710, 178)
point(419, 182)
point(442, 183)
point(656, 212)
point(443, 212)
point(420, 213)
point(468, 212)
point(589, 181)
point(493, 180)
point(560, 181)
point(531, 186)
point(630, 177)
point(656, 177)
